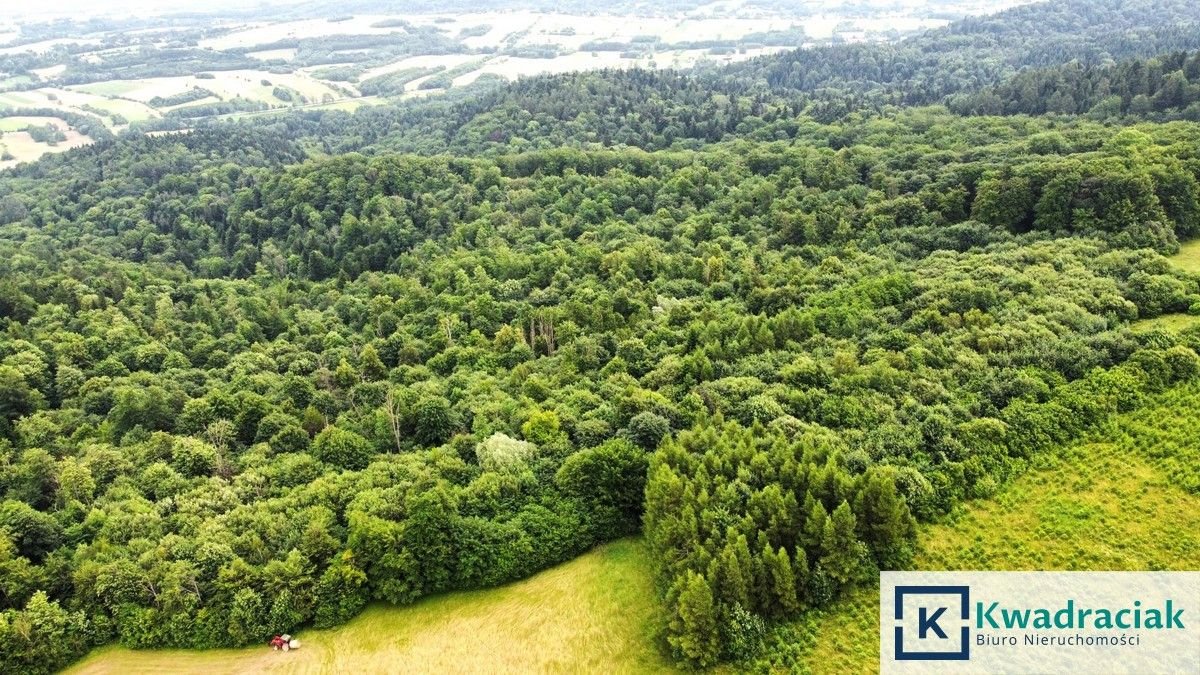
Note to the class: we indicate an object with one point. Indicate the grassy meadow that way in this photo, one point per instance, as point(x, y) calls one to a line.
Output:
point(1121, 499)
point(1188, 258)
point(1168, 322)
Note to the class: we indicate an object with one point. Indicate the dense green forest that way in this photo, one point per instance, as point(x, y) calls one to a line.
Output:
point(1155, 88)
point(255, 376)
point(983, 50)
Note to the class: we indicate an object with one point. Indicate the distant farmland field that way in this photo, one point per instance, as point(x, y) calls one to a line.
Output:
point(21, 147)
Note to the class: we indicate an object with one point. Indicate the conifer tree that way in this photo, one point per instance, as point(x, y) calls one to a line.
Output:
point(802, 576)
point(693, 629)
point(884, 521)
point(733, 586)
point(783, 581)
point(814, 525)
point(842, 554)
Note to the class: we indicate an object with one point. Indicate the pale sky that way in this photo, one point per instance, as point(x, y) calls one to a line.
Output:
point(38, 10)
point(122, 8)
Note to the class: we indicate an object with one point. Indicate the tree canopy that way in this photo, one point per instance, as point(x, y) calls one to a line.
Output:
point(245, 390)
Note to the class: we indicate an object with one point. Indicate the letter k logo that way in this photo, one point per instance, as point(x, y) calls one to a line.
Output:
point(937, 623)
point(926, 623)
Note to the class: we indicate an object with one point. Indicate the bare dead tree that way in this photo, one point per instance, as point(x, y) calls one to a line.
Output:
point(391, 408)
point(541, 329)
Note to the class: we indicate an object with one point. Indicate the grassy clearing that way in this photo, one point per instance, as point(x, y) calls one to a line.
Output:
point(74, 100)
point(269, 54)
point(110, 88)
point(1188, 258)
point(1169, 322)
point(15, 81)
point(130, 110)
point(1123, 499)
point(17, 99)
point(593, 614)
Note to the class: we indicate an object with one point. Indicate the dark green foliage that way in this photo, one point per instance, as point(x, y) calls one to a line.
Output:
point(885, 524)
point(232, 105)
point(341, 448)
point(242, 391)
point(42, 637)
point(985, 49)
point(35, 534)
point(608, 479)
point(372, 336)
point(393, 83)
point(188, 96)
point(1166, 87)
point(434, 420)
point(341, 592)
point(647, 429)
point(47, 133)
point(742, 634)
point(823, 521)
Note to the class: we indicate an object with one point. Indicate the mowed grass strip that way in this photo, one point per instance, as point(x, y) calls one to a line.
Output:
point(593, 614)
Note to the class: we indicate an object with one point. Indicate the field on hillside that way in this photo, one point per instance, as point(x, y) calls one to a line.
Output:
point(248, 84)
point(595, 613)
point(1106, 503)
point(1114, 501)
point(16, 143)
point(73, 100)
point(20, 122)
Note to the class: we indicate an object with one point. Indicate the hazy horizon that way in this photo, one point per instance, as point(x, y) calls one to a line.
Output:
point(125, 8)
point(119, 9)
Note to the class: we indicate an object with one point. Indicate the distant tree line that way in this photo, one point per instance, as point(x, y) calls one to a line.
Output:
point(1166, 87)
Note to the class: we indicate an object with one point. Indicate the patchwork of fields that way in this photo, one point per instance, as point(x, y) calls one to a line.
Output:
point(260, 65)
